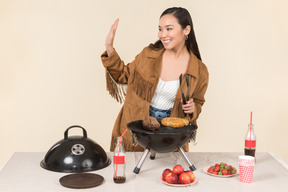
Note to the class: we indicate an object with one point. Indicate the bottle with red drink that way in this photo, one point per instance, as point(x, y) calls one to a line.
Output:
point(250, 141)
point(119, 156)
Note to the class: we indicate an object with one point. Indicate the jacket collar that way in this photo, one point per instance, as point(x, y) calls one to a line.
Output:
point(193, 66)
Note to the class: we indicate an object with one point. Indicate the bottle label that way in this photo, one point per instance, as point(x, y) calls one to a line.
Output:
point(119, 159)
point(250, 143)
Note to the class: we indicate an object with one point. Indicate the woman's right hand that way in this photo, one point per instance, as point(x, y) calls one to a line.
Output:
point(110, 38)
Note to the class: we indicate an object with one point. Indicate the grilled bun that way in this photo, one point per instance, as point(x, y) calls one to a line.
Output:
point(174, 122)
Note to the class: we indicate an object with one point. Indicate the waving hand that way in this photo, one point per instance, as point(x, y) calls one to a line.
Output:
point(110, 38)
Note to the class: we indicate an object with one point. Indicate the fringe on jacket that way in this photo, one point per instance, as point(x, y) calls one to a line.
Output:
point(142, 87)
point(117, 91)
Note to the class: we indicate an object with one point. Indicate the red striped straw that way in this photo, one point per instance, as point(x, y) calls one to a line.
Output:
point(119, 150)
point(250, 125)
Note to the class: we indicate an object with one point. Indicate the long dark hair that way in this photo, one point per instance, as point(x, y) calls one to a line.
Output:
point(184, 19)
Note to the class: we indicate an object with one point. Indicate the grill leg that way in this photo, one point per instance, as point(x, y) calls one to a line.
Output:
point(141, 161)
point(152, 156)
point(191, 166)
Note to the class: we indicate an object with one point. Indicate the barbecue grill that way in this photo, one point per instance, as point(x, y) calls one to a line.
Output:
point(164, 140)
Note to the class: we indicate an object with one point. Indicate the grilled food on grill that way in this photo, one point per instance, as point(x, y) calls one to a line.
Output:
point(150, 123)
point(174, 122)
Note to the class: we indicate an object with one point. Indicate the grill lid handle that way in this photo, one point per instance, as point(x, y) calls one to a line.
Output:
point(75, 126)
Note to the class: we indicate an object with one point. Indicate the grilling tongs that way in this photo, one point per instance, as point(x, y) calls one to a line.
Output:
point(183, 96)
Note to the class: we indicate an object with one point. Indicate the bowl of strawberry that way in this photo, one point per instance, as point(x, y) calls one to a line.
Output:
point(178, 177)
point(221, 170)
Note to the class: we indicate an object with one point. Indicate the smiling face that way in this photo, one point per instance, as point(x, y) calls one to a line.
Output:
point(171, 33)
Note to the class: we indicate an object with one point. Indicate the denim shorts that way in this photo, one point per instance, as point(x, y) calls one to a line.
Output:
point(159, 113)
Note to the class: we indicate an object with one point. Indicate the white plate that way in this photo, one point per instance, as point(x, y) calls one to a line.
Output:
point(178, 185)
point(205, 169)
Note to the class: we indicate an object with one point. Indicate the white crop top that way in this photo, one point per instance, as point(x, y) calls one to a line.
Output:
point(165, 94)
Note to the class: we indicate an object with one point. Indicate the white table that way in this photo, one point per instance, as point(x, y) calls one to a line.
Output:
point(23, 173)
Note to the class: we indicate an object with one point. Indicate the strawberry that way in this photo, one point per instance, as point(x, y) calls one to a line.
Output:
point(215, 173)
point(217, 169)
point(211, 169)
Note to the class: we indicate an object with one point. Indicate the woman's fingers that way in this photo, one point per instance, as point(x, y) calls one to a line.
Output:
point(113, 31)
point(189, 107)
point(115, 24)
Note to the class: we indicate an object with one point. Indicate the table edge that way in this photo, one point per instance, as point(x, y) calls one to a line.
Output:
point(279, 160)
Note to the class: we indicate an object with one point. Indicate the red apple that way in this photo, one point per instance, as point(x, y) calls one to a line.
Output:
point(225, 172)
point(165, 172)
point(191, 175)
point(171, 178)
point(178, 169)
point(185, 178)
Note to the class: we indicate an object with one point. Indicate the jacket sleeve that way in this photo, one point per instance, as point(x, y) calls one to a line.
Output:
point(117, 74)
point(200, 91)
point(116, 67)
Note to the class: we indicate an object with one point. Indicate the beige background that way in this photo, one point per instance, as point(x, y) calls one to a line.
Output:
point(51, 75)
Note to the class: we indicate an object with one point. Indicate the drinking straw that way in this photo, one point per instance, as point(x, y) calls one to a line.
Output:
point(119, 150)
point(250, 126)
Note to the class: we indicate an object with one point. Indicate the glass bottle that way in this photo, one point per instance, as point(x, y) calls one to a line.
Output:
point(119, 158)
point(250, 141)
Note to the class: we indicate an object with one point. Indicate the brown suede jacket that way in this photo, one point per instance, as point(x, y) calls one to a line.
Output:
point(141, 77)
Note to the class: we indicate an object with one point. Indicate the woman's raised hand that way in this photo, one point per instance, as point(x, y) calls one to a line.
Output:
point(110, 38)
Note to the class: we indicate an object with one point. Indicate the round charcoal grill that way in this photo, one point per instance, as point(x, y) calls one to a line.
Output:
point(164, 140)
